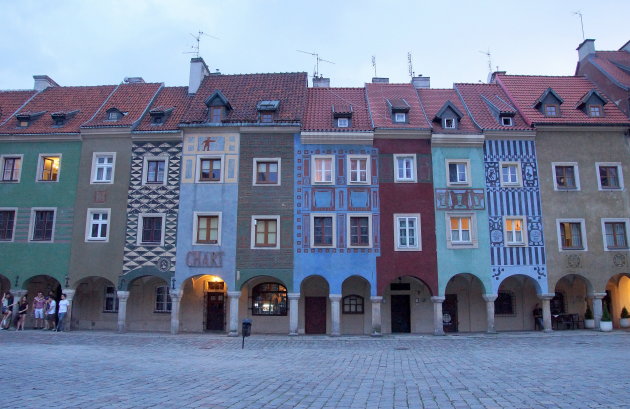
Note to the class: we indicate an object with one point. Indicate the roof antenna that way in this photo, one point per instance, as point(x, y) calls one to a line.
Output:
point(579, 13)
point(374, 65)
point(317, 60)
point(489, 55)
point(195, 47)
point(411, 72)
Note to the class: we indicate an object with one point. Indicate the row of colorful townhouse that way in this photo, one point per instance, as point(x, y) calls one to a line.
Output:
point(389, 208)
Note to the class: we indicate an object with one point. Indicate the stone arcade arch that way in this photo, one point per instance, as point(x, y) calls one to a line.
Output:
point(617, 296)
point(148, 307)
point(315, 307)
point(95, 304)
point(407, 306)
point(5, 284)
point(464, 308)
point(204, 304)
point(265, 300)
point(517, 296)
point(49, 286)
point(356, 306)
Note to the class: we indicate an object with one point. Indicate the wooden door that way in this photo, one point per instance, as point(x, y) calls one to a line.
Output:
point(315, 315)
point(215, 313)
point(401, 313)
point(449, 313)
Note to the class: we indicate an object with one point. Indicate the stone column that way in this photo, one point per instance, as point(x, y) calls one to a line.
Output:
point(376, 315)
point(294, 299)
point(123, 296)
point(68, 319)
point(176, 299)
point(598, 309)
point(234, 297)
point(489, 299)
point(438, 325)
point(335, 314)
point(546, 308)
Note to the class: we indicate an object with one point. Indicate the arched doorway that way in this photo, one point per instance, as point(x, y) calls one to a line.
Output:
point(204, 305)
point(149, 304)
point(571, 296)
point(264, 300)
point(5, 285)
point(517, 297)
point(464, 309)
point(314, 305)
point(45, 284)
point(95, 304)
point(356, 308)
point(617, 296)
point(407, 306)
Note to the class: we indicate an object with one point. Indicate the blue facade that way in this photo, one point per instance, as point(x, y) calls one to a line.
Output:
point(521, 200)
point(339, 200)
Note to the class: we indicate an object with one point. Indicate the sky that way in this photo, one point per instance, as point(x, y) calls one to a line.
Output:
point(85, 42)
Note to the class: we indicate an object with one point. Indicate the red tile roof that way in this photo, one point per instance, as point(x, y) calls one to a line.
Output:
point(244, 91)
point(433, 100)
point(11, 101)
point(131, 99)
point(378, 94)
point(477, 98)
point(79, 104)
point(615, 64)
point(173, 99)
point(525, 90)
point(322, 101)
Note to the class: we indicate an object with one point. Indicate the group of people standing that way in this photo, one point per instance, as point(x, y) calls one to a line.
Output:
point(47, 312)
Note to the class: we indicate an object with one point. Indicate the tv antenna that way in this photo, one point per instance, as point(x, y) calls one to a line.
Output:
point(489, 55)
point(579, 13)
point(195, 47)
point(410, 63)
point(374, 65)
point(317, 60)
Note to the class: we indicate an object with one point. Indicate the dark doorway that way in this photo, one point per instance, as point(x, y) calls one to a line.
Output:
point(401, 313)
point(215, 314)
point(315, 315)
point(449, 313)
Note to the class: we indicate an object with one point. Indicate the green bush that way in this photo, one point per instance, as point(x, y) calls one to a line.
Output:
point(624, 313)
point(605, 314)
point(588, 315)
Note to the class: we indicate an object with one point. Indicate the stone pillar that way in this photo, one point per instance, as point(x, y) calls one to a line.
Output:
point(598, 309)
point(438, 325)
point(376, 315)
point(489, 299)
point(546, 308)
point(176, 299)
point(294, 299)
point(123, 296)
point(335, 314)
point(234, 297)
point(68, 319)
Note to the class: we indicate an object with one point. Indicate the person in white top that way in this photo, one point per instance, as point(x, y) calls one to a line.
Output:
point(50, 313)
point(63, 309)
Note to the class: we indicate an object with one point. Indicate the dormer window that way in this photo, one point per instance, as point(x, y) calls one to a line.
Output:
point(157, 119)
point(594, 110)
point(592, 104)
point(549, 103)
point(343, 123)
point(449, 123)
point(266, 110)
point(266, 117)
point(59, 119)
point(159, 115)
point(400, 117)
point(218, 106)
point(216, 114)
point(342, 115)
point(551, 110)
point(114, 115)
point(506, 121)
point(399, 109)
point(24, 120)
point(448, 116)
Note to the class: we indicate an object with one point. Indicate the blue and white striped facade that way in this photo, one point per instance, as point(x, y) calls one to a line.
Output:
point(522, 200)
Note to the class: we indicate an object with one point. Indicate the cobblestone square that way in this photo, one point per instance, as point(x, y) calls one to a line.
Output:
point(577, 369)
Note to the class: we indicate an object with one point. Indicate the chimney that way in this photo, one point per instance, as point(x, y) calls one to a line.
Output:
point(421, 82)
point(134, 80)
point(43, 81)
point(198, 70)
point(321, 82)
point(586, 48)
point(492, 77)
point(380, 80)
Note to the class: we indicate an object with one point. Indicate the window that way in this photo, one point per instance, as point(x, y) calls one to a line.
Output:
point(11, 168)
point(110, 300)
point(42, 224)
point(343, 122)
point(615, 234)
point(400, 117)
point(594, 110)
point(405, 168)
point(216, 114)
point(49, 168)
point(265, 232)
point(323, 171)
point(114, 115)
point(157, 118)
point(506, 121)
point(151, 229)
point(323, 230)
point(353, 304)
point(269, 299)
point(359, 228)
point(571, 234)
point(504, 304)
point(266, 171)
point(359, 169)
point(565, 176)
point(407, 233)
point(207, 228)
point(461, 230)
point(515, 231)
point(551, 110)
point(7, 224)
point(449, 123)
point(510, 174)
point(97, 225)
point(155, 171)
point(103, 167)
point(162, 299)
point(458, 172)
point(210, 169)
point(609, 176)
point(266, 117)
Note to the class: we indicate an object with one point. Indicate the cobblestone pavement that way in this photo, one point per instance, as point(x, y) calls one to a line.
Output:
point(568, 369)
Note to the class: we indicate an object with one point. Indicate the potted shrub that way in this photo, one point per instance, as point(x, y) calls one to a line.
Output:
point(624, 322)
point(589, 320)
point(605, 324)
